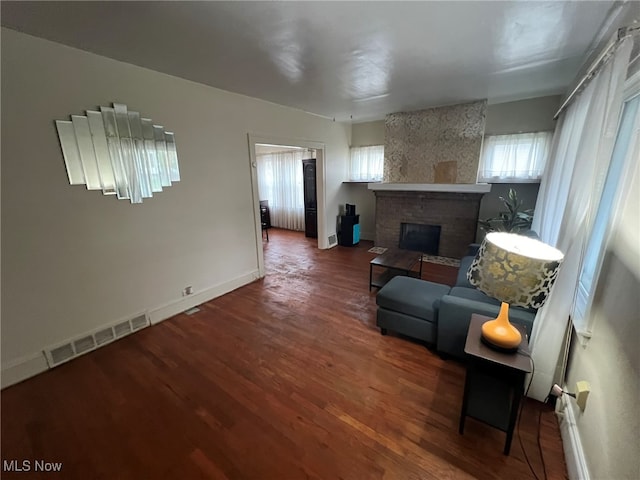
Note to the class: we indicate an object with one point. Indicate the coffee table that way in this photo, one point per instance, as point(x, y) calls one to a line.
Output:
point(395, 262)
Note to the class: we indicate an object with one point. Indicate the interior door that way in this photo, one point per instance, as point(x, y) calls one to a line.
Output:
point(310, 198)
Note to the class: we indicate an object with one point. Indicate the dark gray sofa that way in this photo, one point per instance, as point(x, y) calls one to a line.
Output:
point(438, 314)
point(464, 299)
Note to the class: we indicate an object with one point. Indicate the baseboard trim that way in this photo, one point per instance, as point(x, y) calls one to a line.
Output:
point(22, 368)
point(173, 308)
point(28, 366)
point(575, 459)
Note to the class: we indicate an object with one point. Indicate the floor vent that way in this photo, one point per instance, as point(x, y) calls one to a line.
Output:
point(333, 240)
point(75, 347)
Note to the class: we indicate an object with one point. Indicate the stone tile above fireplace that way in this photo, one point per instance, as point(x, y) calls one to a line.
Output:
point(435, 145)
point(455, 212)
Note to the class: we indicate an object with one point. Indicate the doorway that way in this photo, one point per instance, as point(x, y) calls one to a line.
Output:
point(283, 185)
point(261, 145)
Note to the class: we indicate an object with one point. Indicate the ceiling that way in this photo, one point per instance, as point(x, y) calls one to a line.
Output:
point(342, 60)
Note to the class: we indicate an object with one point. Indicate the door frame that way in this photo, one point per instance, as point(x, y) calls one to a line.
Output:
point(319, 147)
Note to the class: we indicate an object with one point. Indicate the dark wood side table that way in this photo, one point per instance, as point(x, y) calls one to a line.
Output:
point(494, 382)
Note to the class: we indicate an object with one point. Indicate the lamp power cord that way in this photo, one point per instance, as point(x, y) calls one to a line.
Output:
point(544, 467)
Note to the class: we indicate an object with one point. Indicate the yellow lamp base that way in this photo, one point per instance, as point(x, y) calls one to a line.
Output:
point(499, 333)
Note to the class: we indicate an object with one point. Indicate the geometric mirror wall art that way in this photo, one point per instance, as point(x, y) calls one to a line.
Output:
point(118, 152)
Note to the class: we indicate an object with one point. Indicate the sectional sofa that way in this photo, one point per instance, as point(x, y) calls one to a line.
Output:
point(437, 314)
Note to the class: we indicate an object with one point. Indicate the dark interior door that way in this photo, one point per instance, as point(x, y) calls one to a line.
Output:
point(310, 198)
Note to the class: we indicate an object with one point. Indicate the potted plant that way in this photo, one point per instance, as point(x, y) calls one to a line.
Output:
point(514, 219)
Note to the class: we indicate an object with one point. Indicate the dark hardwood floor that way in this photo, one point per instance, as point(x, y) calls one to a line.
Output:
point(285, 378)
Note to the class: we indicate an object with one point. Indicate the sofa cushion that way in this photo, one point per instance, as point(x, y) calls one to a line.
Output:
point(455, 313)
point(461, 279)
point(472, 249)
point(412, 296)
point(473, 294)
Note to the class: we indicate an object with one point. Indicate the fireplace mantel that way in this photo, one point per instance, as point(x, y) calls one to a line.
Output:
point(432, 187)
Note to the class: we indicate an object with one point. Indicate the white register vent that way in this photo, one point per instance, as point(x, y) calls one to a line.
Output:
point(75, 347)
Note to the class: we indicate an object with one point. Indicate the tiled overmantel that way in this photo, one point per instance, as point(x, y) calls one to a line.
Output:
point(435, 145)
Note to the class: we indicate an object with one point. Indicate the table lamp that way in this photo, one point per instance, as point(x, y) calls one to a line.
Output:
point(518, 271)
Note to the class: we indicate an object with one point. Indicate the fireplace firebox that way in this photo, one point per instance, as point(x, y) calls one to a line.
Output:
point(455, 212)
point(421, 238)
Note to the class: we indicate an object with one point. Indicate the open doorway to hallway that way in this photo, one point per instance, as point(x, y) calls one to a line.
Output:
point(287, 179)
point(286, 188)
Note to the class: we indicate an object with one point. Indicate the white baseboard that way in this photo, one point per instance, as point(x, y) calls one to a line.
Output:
point(173, 308)
point(577, 467)
point(30, 365)
point(22, 368)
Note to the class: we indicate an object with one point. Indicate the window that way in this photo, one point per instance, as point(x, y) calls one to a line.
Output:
point(280, 182)
point(366, 164)
point(514, 158)
point(621, 160)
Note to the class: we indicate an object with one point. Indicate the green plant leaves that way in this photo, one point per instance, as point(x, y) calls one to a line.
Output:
point(513, 220)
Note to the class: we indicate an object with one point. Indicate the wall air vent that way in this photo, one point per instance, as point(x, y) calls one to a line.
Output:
point(333, 240)
point(122, 329)
point(104, 336)
point(77, 346)
point(62, 354)
point(84, 344)
point(139, 322)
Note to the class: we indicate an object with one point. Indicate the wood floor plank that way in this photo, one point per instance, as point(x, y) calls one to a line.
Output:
point(285, 378)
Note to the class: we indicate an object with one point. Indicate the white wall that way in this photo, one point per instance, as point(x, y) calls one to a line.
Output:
point(530, 115)
point(609, 428)
point(364, 135)
point(74, 260)
point(367, 134)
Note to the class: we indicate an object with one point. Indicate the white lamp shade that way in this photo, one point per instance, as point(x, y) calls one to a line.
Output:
point(515, 269)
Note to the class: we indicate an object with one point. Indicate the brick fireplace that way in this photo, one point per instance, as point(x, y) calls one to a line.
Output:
point(438, 149)
point(455, 212)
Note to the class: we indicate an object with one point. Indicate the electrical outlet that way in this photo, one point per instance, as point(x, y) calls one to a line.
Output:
point(582, 393)
point(187, 291)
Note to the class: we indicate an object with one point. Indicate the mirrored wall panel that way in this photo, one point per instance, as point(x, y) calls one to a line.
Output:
point(118, 152)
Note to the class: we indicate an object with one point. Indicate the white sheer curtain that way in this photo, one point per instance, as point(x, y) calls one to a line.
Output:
point(626, 153)
point(520, 157)
point(568, 198)
point(366, 163)
point(280, 182)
